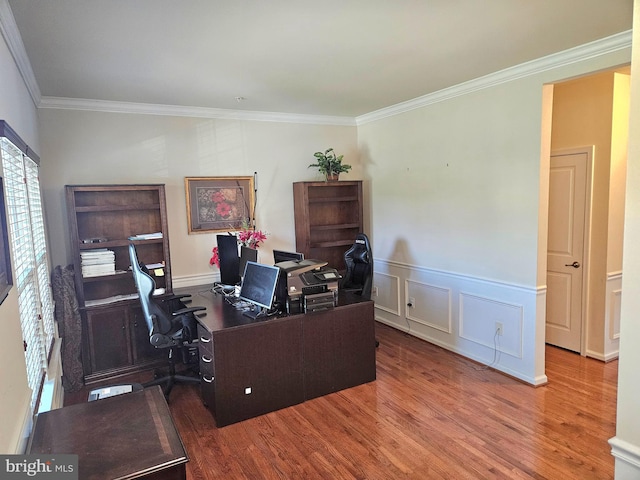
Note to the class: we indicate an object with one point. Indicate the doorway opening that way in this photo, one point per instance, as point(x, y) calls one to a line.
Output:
point(587, 180)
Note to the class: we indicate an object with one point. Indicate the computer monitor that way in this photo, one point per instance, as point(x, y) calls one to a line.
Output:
point(282, 256)
point(259, 285)
point(229, 259)
point(247, 255)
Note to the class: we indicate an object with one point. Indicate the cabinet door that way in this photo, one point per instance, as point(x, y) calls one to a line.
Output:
point(108, 338)
point(143, 351)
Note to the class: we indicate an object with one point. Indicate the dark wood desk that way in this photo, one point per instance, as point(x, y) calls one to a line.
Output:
point(127, 436)
point(250, 367)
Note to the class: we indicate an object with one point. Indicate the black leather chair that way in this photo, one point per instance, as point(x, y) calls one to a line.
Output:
point(170, 324)
point(358, 277)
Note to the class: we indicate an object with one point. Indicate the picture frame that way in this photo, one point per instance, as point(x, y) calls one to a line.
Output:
point(6, 277)
point(219, 204)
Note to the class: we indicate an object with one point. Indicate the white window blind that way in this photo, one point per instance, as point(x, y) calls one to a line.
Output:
point(30, 261)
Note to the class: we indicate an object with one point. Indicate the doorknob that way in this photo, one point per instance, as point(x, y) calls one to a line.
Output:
point(574, 264)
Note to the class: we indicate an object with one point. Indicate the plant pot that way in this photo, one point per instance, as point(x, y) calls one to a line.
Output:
point(332, 178)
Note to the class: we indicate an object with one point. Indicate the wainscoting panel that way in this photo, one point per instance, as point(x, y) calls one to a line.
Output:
point(479, 317)
point(431, 306)
point(614, 308)
point(612, 316)
point(386, 292)
point(459, 313)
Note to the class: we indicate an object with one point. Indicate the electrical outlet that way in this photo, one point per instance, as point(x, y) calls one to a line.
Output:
point(499, 329)
point(412, 302)
point(374, 291)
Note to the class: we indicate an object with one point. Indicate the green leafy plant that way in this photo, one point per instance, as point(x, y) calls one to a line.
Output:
point(329, 164)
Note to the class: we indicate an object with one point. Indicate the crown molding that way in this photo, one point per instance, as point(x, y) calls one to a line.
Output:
point(12, 36)
point(587, 51)
point(198, 112)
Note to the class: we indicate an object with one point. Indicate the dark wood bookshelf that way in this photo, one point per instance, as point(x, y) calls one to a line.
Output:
point(328, 216)
point(114, 333)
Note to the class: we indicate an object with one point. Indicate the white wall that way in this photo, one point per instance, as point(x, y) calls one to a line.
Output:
point(626, 443)
point(455, 212)
point(17, 109)
point(92, 147)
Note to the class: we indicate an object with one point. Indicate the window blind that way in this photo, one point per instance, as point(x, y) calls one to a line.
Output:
point(30, 261)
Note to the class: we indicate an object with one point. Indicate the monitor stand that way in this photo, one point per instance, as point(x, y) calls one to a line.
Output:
point(224, 289)
point(254, 312)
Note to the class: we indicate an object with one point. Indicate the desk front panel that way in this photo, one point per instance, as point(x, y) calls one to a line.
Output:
point(258, 369)
point(338, 349)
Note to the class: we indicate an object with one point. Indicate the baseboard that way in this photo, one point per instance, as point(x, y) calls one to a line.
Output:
point(603, 358)
point(195, 280)
point(536, 382)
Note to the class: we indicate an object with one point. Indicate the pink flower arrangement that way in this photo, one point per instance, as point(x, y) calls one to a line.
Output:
point(251, 238)
point(215, 258)
point(246, 237)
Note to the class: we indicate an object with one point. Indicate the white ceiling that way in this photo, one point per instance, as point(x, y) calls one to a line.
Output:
point(312, 57)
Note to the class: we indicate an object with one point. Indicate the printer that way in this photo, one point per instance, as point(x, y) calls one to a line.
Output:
point(306, 286)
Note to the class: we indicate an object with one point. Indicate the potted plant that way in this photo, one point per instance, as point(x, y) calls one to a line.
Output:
point(329, 164)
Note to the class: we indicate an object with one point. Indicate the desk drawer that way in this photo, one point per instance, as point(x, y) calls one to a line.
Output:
point(205, 340)
point(207, 368)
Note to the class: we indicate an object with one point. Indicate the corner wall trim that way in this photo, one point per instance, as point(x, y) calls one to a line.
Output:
point(625, 451)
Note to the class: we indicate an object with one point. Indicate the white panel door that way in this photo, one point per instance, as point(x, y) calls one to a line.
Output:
point(565, 249)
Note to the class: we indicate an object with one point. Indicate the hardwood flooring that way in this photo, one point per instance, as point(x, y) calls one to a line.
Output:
point(430, 414)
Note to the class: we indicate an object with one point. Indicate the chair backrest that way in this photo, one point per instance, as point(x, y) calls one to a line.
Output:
point(359, 262)
point(159, 323)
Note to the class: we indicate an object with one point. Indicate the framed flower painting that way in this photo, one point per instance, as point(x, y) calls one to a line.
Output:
point(219, 204)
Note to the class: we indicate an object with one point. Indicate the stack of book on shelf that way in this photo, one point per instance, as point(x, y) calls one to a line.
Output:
point(147, 236)
point(98, 262)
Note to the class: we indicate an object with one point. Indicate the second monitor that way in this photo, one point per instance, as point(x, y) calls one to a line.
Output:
point(229, 259)
point(282, 256)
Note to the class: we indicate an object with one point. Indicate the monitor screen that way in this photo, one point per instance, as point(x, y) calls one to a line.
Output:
point(281, 256)
point(259, 284)
point(229, 259)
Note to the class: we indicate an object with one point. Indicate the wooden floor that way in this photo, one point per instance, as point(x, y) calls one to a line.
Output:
point(430, 414)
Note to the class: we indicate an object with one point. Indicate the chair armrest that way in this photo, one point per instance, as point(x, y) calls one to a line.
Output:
point(184, 311)
point(177, 297)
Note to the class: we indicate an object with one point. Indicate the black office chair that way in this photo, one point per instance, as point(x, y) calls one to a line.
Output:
point(359, 275)
point(170, 324)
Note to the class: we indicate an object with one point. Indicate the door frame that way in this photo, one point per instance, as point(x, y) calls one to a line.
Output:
point(586, 240)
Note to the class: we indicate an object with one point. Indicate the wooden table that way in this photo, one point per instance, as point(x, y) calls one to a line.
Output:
point(250, 367)
point(126, 436)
